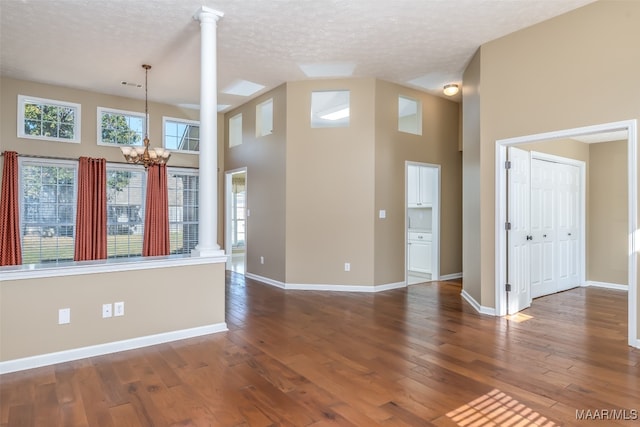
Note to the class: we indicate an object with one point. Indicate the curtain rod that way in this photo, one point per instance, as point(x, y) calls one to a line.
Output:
point(36, 156)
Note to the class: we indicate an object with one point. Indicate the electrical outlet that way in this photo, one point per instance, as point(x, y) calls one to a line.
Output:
point(261, 260)
point(64, 316)
point(107, 310)
point(118, 308)
point(382, 214)
point(347, 266)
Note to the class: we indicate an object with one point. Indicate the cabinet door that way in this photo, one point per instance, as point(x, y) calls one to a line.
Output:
point(426, 186)
point(413, 185)
point(420, 257)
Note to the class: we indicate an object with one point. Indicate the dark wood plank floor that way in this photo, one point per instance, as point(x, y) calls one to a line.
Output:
point(410, 357)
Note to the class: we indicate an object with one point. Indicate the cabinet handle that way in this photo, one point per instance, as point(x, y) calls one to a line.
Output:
point(544, 235)
point(419, 237)
point(569, 234)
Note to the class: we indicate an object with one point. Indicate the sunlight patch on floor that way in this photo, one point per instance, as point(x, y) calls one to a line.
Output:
point(497, 409)
point(518, 317)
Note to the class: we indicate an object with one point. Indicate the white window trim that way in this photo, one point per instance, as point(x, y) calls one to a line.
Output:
point(76, 125)
point(101, 110)
point(166, 119)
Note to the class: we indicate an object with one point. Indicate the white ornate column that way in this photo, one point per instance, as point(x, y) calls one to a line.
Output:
point(208, 174)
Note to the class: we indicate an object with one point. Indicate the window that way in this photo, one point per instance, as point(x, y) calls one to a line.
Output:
point(264, 118)
point(238, 211)
point(116, 127)
point(183, 210)
point(181, 135)
point(409, 115)
point(330, 109)
point(48, 201)
point(235, 130)
point(48, 119)
point(125, 211)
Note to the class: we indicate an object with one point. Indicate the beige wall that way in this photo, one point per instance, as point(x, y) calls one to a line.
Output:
point(264, 158)
point(335, 180)
point(156, 301)
point(608, 227)
point(438, 144)
point(330, 188)
point(556, 75)
point(471, 179)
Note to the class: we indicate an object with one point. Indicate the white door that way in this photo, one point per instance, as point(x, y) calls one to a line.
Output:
point(543, 224)
point(519, 255)
point(568, 230)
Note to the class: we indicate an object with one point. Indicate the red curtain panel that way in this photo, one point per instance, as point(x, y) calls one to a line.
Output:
point(156, 217)
point(91, 214)
point(10, 250)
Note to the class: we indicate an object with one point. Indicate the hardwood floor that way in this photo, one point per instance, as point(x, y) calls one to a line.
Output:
point(418, 356)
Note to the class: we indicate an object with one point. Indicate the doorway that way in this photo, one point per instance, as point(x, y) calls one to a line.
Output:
point(508, 300)
point(422, 226)
point(236, 219)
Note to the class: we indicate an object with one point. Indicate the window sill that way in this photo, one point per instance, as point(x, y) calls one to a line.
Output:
point(32, 271)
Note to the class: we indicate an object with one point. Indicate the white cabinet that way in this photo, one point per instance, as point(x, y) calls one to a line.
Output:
point(419, 251)
point(419, 186)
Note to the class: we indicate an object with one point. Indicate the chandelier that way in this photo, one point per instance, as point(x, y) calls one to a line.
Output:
point(143, 155)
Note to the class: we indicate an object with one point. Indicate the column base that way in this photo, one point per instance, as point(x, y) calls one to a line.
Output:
point(207, 252)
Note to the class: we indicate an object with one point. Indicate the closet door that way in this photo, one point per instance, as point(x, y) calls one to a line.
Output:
point(568, 231)
point(543, 228)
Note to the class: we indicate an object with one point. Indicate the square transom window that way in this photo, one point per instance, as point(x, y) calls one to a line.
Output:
point(330, 109)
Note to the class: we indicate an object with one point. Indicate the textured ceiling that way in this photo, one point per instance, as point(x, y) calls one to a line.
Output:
point(95, 45)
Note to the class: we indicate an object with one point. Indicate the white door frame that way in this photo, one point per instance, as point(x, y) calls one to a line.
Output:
point(435, 219)
point(228, 190)
point(634, 233)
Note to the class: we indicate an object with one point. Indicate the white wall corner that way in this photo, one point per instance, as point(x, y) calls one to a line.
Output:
point(490, 311)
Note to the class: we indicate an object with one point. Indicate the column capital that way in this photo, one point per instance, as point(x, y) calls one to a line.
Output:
point(206, 14)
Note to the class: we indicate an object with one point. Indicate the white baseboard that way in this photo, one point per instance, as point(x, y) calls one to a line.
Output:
point(480, 309)
point(451, 276)
point(106, 348)
point(607, 285)
point(266, 280)
point(325, 287)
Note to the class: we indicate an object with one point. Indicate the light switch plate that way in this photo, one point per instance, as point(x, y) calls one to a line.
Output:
point(64, 316)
